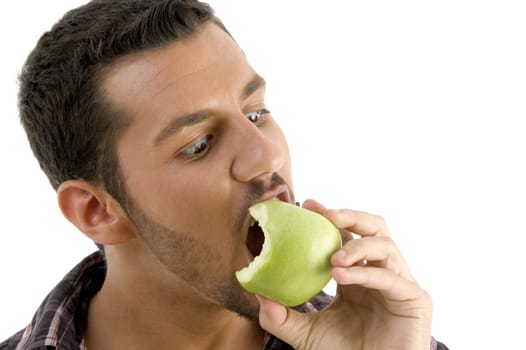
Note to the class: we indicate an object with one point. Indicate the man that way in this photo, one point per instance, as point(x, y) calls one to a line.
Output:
point(152, 127)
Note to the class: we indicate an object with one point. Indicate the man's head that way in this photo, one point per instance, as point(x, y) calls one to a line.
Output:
point(158, 140)
point(70, 123)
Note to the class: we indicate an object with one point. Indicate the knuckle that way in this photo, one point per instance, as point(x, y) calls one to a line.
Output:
point(382, 224)
point(388, 242)
point(426, 297)
point(426, 304)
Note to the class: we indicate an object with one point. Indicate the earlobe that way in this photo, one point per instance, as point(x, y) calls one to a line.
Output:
point(94, 212)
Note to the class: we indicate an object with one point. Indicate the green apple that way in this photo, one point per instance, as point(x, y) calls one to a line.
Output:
point(294, 263)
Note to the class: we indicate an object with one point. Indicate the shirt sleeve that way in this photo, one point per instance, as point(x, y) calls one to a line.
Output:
point(436, 345)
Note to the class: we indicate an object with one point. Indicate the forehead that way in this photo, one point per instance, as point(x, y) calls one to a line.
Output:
point(175, 70)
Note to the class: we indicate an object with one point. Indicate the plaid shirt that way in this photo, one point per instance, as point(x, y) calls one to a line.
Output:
point(59, 322)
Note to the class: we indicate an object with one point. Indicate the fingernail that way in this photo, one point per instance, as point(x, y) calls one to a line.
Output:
point(340, 253)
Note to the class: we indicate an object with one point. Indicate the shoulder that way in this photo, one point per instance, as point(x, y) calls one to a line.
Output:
point(60, 318)
point(12, 342)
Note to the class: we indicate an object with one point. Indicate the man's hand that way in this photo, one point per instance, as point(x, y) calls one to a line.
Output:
point(378, 304)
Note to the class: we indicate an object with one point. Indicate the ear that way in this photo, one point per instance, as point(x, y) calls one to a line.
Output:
point(95, 212)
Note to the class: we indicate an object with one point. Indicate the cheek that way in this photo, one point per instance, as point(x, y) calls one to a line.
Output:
point(167, 195)
point(196, 199)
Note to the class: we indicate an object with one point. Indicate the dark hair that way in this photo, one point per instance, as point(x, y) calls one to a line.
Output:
point(70, 126)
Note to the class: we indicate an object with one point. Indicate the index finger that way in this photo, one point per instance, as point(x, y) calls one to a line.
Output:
point(358, 222)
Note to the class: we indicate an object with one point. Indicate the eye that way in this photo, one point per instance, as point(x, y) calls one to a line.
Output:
point(255, 116)
point(199, 148)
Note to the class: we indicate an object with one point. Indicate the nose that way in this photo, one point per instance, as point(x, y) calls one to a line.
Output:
point(260, 150)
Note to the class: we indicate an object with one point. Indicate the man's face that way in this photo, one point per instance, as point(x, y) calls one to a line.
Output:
point(200, 149)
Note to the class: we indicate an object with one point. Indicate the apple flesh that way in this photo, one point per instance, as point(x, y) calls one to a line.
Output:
point(294, 262)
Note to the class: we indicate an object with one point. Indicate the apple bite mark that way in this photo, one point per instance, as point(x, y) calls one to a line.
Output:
point(255, 239)
point(259, 245)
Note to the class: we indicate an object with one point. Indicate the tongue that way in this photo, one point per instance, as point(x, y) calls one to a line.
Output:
point(255, 240)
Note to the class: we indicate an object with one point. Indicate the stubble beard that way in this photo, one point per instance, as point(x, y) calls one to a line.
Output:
point(184, 256)
point(177, 252)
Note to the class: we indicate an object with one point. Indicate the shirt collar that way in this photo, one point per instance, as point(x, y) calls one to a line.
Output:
point(60, 319)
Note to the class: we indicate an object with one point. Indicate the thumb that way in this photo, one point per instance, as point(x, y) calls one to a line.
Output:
point(288, 325)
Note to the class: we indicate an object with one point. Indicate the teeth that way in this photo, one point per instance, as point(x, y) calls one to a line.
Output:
point(253, 222)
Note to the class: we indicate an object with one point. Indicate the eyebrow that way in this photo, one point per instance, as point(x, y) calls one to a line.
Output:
point(253, 85)
point(179, 123)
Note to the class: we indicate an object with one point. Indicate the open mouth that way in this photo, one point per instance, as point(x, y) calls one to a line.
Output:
point(255, 238)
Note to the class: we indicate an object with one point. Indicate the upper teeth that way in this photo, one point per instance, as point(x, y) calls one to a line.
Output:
point(252, 222)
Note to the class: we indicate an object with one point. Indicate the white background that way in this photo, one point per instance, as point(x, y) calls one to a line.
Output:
point(410, 109)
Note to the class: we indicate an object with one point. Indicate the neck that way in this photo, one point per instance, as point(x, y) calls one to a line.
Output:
point(137, 309)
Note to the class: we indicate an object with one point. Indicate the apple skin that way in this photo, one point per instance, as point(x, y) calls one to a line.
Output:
point(294, 263)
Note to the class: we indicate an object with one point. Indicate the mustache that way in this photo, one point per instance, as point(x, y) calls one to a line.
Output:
point(257, 189)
